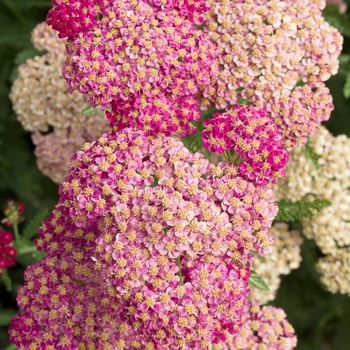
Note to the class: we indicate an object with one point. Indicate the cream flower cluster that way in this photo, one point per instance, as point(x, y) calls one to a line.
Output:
point(331, 180)
point(284, 258)
point(45, 108)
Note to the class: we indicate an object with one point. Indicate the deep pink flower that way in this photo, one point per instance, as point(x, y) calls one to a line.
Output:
point(253, 136)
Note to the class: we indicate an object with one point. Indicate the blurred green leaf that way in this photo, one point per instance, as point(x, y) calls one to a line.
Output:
point(6, 316)
point(32, 227)
point(6, 280)
point(346, 88)
point(337, 20)
point(292, 211)
point(310, 154)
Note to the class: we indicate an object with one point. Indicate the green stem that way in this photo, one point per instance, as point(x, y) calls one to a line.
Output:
point(179, 272)
point(16, 233)
point(227, 156)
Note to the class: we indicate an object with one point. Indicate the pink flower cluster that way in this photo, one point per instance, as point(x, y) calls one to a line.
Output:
point(148, 248)
point(74, 16)
point(268, 48)
point(255, 138)
point(7, 252)
point(264, 328)
point(141, 59)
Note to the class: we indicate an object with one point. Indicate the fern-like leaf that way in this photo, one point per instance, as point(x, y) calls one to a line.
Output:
point(32, 227)
point(295, 211)
point(310, 153)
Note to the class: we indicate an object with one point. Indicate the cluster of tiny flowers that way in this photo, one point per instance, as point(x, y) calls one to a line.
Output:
point(264, 328)
point(7, 251)
point(331, 181)
point(335, 271)
point(54, 152)
point(13, 212)
point(144, 63)
point(267, 49)
point(284, 257)
point(74, 16)
point(148, 248)
point(44, 107)
point(249, 132)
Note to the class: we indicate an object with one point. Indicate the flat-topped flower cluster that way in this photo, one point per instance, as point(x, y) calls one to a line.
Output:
point(276, 54)
point(149, 247)
point(45, 108)
point(144, 60)
point(254, 137)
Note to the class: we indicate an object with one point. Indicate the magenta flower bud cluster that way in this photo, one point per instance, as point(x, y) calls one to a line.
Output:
point(7, 251)
point(141, 59)
point(254, 137)
point(148, 248)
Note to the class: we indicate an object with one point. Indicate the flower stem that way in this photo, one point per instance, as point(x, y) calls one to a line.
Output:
point(179, 272)
point(16, 233)
point(227, 156)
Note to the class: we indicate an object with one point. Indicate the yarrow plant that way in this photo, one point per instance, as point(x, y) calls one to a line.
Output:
point(253, 136)
point(7, 251)
point(13, 213)
point(151, 246)
point(264, 328)
point(170, 236)
point(327, 179)
point(284, 257)
point(44, 107)
point(276, 54)
point(142, 60)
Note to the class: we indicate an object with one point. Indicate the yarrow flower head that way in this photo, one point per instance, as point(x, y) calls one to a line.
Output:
point(267, 50)
point(74, 16)
point(284, 257)
point(149, 247)
point(329, 179)
point(13, 212)
point(264, 328)
point(7, 251)
point(145, 59)
point(45, 108)
point(254, 137)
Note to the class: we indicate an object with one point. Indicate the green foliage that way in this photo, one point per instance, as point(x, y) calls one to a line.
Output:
point(346, 88)
point(293, 211)
point(310, 154)
point(22, 57)
point(337, 20)
point(256, 281)
point(6, 315)
point(32, 227)
point(89, 110)
point(6, 280)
